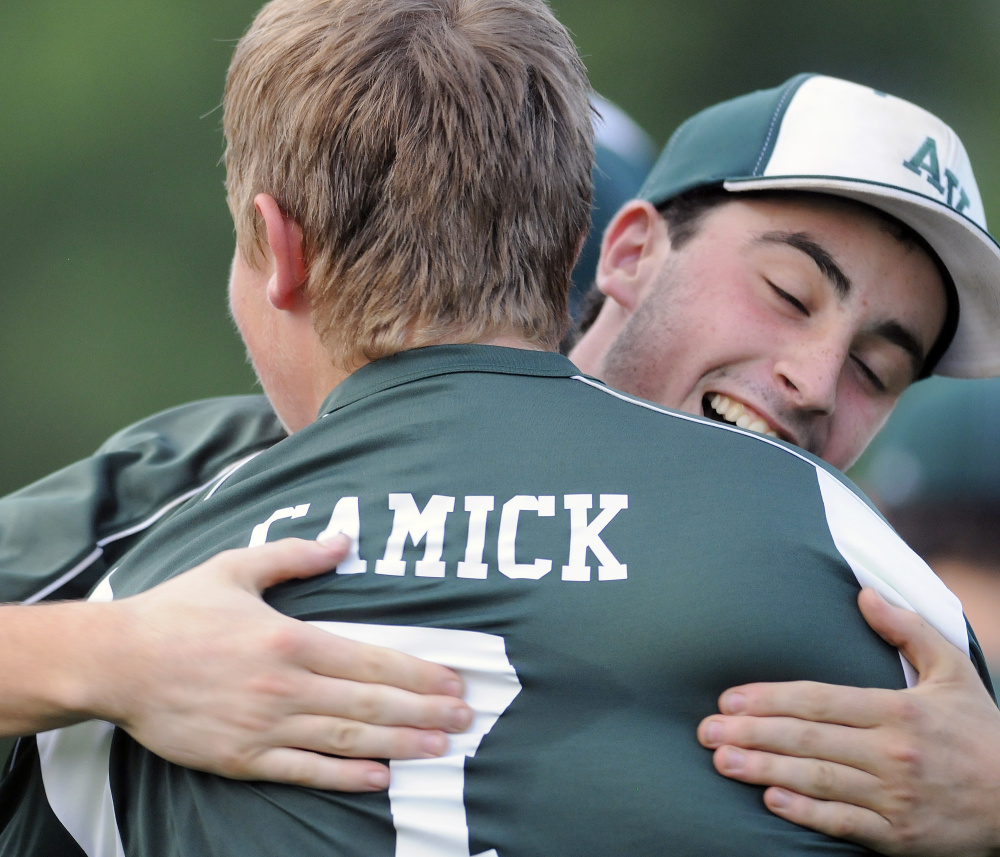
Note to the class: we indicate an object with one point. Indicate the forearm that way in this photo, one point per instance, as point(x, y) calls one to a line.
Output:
point(56, 664)
point(205, 674)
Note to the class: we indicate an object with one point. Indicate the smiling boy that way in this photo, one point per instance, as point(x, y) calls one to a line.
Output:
point(750, 319)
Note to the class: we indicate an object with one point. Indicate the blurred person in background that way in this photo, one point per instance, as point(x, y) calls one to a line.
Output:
point(934, 471)
point(623, 157)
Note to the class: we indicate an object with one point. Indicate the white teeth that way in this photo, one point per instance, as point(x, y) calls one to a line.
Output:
point(740, 415)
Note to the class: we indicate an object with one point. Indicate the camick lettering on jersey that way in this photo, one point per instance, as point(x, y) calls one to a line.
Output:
point(429, 525)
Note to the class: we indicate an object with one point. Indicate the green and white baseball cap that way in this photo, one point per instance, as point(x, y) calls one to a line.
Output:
point(821, 134)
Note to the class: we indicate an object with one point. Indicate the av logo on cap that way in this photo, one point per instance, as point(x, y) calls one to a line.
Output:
point(925, 160)
point(827, 136)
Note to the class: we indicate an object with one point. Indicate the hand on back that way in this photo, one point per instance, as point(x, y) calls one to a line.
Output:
point(209, 676)
point(903, 772)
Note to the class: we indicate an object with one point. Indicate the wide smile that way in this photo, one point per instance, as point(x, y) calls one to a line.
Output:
point(726, 410)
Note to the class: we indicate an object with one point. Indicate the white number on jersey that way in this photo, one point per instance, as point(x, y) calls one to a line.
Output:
point(427, 796)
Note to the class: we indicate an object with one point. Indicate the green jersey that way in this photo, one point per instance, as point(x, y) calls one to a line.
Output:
point(598, 568)
point(59, 536)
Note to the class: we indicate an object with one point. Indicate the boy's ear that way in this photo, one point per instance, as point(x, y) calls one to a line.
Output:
point(632, 253)
point(284, 238)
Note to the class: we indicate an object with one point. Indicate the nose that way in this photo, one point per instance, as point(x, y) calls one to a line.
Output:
point(808, 374)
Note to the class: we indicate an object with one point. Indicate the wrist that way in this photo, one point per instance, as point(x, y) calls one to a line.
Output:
point(91, 671)
point(58, 665)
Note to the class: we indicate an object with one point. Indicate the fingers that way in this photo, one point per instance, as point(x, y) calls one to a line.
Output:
point(886, 769)
point(261, 567)
point(809, 700)
point(811, 777)
point(928, 651)
point(312, 770)
point(329, 655)
point(839, 820)
point(222, 682)
point(789, 737)
point(338, 737)
point(381, 705)
point(297, 644)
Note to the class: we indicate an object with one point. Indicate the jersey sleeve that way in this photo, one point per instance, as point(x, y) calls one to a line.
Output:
point(60, 534)
point(880, 559)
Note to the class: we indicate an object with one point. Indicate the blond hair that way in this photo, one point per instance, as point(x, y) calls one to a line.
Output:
point(435, 153)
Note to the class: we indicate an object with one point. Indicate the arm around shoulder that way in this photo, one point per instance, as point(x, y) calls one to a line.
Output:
point(202, 672)
point(57, 534)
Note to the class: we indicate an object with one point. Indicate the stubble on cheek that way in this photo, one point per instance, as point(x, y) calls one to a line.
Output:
point(642, 360)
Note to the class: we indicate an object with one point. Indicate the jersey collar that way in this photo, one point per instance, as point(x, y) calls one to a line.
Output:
point(419, 363)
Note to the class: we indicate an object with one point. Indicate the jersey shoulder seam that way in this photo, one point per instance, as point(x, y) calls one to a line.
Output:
point(100, 544)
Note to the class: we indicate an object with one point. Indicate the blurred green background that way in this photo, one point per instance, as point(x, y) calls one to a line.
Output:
point(115, 240)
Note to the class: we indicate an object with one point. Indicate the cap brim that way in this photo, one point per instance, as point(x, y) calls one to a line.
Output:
point(969, 253)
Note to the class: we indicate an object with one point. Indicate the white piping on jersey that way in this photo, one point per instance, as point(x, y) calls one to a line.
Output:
point(879, 558)
point(222, 477)
point(98, 551)
point(691, 418)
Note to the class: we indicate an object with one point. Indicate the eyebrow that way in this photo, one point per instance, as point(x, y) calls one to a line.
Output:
point(824, 261)
point(890, 331)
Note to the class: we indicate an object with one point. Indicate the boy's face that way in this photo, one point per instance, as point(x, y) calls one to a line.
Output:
point(800, 319)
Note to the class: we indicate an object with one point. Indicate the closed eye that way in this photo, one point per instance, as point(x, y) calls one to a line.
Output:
point(791, 299)
point(873, 379)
